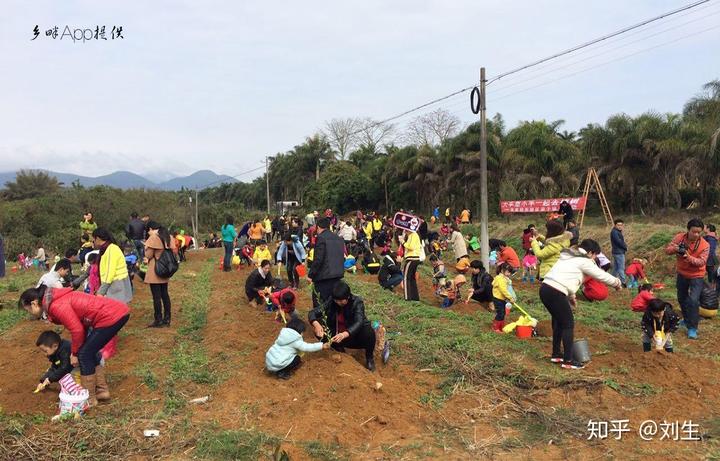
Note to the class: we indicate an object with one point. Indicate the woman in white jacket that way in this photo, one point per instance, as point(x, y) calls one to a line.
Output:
point(557, 293)
point(282, 357)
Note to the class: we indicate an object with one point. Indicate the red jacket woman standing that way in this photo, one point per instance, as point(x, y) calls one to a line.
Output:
point(77, 311)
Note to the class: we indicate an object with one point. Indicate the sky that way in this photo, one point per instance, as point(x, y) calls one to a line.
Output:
point(221, 84)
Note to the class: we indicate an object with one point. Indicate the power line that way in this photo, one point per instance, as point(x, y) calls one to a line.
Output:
point(234, 176)
point(608, 62)
point(565, 66)
point(650, 27)
point(604, 38)
point(597, 40)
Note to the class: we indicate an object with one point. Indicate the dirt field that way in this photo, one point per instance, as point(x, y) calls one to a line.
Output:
point(474, 396)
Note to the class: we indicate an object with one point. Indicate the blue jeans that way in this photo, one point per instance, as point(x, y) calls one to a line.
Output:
point(227, 259)
point(619, 266)
point(392, 282)
point(688, 295)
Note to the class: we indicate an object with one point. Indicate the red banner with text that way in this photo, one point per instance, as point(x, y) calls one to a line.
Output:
point(543, 205)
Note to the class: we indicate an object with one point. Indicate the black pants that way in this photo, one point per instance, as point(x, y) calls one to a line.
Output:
point(363, 339)
point(324, 289)
point(563, 323)
point(409, 281)
point(712, 275)
point(96, 340)
point(290, 368)
point(291, 263)
point(161, 299)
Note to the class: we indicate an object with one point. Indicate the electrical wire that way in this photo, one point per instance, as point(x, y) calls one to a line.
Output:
point(617, 39)
point(563, 67)
point(233, 176)
point(606, 63)
point(597, 40)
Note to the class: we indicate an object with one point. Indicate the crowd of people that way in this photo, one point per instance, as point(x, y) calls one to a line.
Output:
point(93, 304)
point(320, 249)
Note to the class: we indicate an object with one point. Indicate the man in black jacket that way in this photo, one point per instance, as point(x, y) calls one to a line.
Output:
point(257, 282)
point(327, 268)
point(135, 232)
point(567, 212)
point(344, 317)
point(57, 351)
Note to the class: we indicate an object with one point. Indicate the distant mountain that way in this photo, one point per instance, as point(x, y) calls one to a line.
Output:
point(200, 179)
point(129, 180)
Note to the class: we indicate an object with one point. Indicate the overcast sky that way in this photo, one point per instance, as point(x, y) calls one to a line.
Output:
point(220, 84)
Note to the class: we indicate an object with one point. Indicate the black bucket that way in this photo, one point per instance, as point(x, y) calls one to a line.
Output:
point(581, 351)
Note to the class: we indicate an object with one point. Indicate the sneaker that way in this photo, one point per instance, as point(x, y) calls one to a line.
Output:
point(556, 360)
point(692, 333)
point(386, 352)
point(573, 365)
point(370, 364)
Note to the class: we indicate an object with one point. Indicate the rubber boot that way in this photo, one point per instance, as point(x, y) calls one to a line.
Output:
point(102, 391)
point(89, 383)
point(646, 347)
point(497, 326)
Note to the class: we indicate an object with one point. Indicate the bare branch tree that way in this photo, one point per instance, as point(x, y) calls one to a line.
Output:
point(343, 135)
point(374, 133)
point(432, 128)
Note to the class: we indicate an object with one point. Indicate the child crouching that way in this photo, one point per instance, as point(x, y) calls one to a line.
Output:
point(658, 324)
point(57, 351)
point(282, 358)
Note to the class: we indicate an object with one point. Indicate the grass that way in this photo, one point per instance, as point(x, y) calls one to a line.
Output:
point(241, 444)
point(145, 372)
point(188, 361)
point(9, 317)
point(322, 451)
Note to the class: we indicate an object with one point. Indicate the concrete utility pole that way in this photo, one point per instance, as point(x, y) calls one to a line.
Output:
point(197, 219)
point(484, 238)
point(267, 184)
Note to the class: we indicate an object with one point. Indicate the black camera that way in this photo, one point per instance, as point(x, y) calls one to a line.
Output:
point(682, 249)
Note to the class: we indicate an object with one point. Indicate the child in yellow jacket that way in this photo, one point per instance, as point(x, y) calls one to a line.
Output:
point(262, 253)
point(503, 294)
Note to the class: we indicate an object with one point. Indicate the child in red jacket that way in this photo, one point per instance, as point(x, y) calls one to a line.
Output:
point(284, 300)
point(635, 272)
point(643, 298)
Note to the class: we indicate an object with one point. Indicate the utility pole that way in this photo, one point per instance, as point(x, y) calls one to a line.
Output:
point(197, 219)
point(267, 184)
point(484, 238)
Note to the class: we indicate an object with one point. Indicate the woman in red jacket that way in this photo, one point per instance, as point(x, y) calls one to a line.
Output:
point(76, 311)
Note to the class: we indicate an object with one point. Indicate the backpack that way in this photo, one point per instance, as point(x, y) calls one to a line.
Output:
point(166, 265)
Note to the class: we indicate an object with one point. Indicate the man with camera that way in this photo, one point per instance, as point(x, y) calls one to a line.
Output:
point(692, 253)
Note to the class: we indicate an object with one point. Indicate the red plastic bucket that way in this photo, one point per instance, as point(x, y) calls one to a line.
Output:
point(523, 331)
point(301, 270)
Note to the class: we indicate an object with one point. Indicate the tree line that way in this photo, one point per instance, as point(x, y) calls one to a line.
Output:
point(649, 162)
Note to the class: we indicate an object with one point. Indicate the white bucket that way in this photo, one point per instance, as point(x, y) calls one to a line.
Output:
point(74, 403)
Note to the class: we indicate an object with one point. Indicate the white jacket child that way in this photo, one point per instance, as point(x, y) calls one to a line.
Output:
point(568, 272)
point(288, 343)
